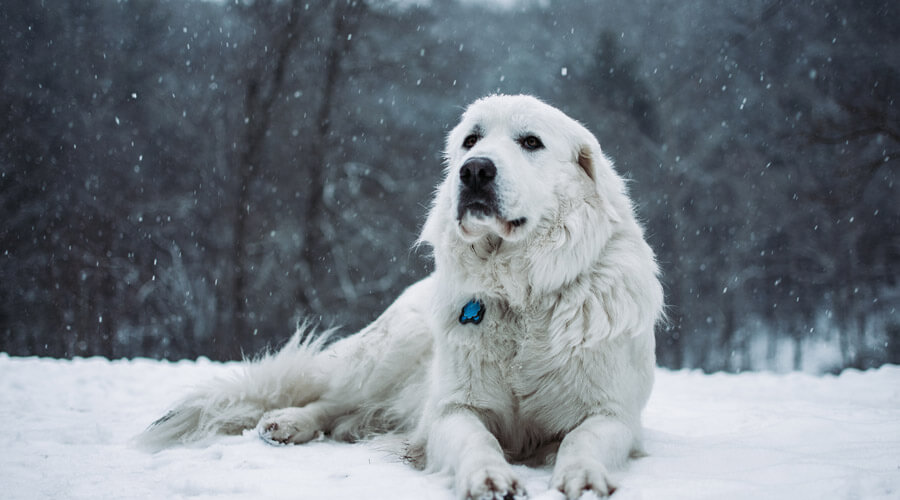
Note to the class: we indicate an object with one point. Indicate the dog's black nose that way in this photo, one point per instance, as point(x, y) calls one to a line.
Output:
point(476, 173)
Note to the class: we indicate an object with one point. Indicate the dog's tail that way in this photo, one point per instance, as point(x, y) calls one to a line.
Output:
point(293, 376)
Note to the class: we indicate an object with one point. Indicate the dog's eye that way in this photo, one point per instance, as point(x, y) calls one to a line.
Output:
point(531, 143)
point(470, 141)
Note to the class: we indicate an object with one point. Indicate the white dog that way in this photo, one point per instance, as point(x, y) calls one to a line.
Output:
point(532, 339)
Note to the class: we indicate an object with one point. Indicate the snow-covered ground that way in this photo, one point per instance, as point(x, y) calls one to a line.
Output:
point(65, 428)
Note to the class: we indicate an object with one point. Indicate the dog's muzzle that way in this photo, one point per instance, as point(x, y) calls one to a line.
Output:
point(477, 193)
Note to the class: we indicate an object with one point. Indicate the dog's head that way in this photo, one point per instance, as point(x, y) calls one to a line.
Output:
point(510, 163)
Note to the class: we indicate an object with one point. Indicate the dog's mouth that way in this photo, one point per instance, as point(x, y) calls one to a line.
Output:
point(477, 219)
point(479, 209)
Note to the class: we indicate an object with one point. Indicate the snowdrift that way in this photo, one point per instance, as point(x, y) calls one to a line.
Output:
point(65, 428)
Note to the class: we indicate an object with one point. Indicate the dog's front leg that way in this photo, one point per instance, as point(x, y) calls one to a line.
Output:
point(586, 453)
point(459, 442)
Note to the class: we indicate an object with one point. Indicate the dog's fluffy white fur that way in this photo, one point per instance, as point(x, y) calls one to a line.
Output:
point(532, 223)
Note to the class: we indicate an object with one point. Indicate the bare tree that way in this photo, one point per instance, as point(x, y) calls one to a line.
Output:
point(265, 86)
point(345, 18)
point(264, 83)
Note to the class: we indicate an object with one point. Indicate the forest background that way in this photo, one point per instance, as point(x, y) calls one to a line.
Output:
point(191, 178)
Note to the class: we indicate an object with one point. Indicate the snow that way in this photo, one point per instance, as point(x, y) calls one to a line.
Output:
point(65, 428)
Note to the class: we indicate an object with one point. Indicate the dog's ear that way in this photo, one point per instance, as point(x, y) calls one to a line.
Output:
point(585, 160)
point(592, 161)
point(601, 172)
point(588, 155)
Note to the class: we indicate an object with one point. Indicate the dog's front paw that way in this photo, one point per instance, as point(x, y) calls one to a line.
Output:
point(288, 426)
point(493, 482)
point(574, 480)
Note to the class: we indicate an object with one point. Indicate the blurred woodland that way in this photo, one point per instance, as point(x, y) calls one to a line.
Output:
point(183, 178)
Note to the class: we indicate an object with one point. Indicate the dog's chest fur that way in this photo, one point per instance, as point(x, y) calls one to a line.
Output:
point(510, 370)
point(523, 371)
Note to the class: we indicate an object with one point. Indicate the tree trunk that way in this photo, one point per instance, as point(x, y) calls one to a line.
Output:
point(345, 18)
point(263, 89)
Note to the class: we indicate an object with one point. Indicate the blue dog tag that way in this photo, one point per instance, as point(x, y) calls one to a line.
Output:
point(472, 312)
